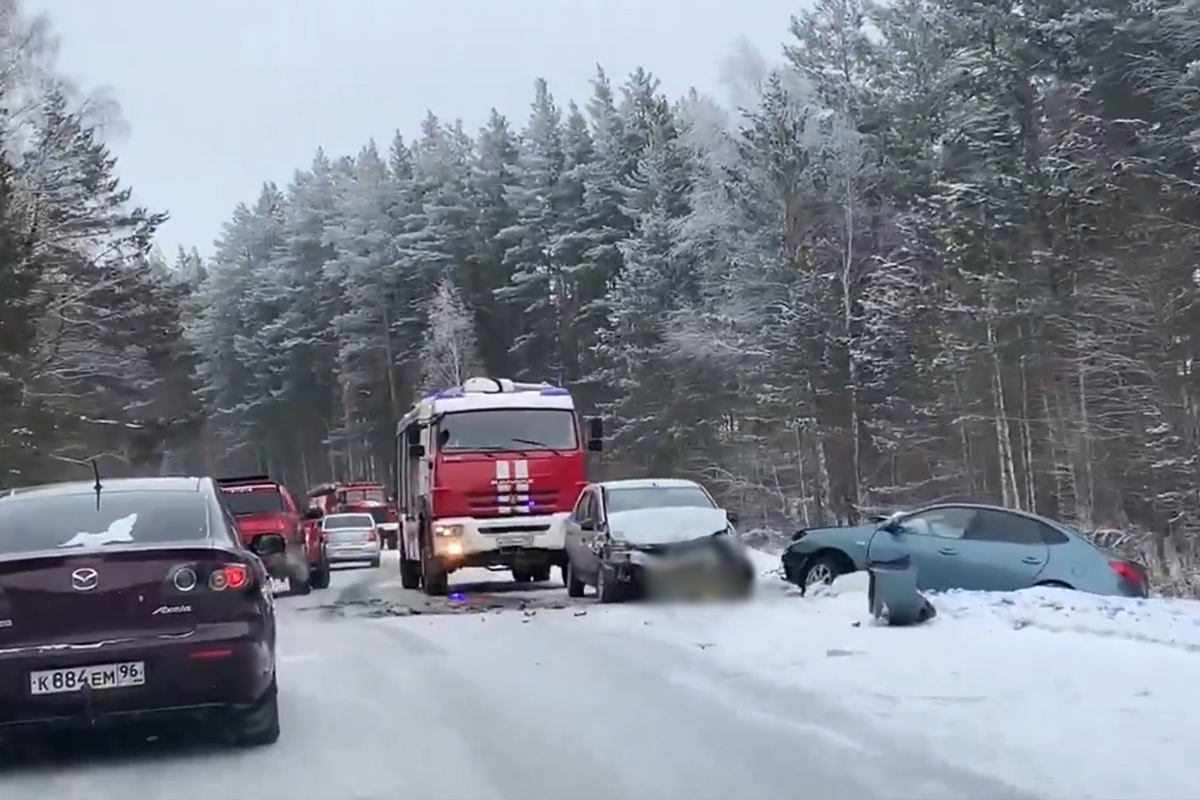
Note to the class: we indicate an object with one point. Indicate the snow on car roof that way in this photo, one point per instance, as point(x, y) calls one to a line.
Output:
point(650, 483)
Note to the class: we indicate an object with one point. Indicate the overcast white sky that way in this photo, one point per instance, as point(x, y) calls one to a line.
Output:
point(221, 95)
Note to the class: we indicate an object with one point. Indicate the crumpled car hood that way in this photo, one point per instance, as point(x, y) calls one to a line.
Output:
point(652, 526)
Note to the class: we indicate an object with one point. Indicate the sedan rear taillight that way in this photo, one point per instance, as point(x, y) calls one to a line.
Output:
point(230, 576)
point(1129, 572)
point(187, 578)
point(371, 535)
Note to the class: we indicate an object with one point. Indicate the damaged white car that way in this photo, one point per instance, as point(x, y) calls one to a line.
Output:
point(654, 539)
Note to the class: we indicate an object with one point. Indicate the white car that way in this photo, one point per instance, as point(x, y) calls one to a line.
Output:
point(351, 537)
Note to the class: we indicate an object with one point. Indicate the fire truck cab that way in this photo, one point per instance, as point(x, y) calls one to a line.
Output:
point(486, 475)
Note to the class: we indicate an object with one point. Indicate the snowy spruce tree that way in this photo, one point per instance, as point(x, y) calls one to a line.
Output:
point(908, 258)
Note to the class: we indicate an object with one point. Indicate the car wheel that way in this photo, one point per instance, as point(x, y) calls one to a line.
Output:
point(260, 725)
point(375, 562)
point(607, 588)
point(821, 571)
point(522, 575)
point(298, 586)
point(318, 578)
point(541, 574)
point(575, 587)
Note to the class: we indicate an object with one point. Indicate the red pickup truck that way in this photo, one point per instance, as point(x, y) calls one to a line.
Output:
point(264, 508)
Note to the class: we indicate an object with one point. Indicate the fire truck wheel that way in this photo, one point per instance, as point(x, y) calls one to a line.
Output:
point(522, 575)
point(434, 580)
point(541, 574)
point(410, 572)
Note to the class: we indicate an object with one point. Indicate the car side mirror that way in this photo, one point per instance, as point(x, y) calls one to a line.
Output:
point(893, 523)
point(416, 450)
point(267, 545)
point(732, 516)
point(595, 434)
point(313, 513)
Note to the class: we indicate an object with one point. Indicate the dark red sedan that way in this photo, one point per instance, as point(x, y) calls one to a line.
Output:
point(130, 599)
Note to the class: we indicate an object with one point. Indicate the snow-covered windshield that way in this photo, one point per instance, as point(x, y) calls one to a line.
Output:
point(508, 429)
point(362, 496)
point(246, 502)
point(348, 521)
point(634, 497)
point(73, 521)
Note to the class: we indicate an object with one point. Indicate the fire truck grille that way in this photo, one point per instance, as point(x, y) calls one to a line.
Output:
point(493, 504)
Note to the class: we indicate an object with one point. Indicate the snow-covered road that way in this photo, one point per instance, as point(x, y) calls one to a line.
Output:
point(520, 704)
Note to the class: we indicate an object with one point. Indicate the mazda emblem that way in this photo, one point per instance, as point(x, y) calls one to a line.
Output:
point(84, 580)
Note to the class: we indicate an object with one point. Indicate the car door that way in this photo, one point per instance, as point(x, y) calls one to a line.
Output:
point(589, 531)
point(931, 539)
point(1002, 551)
point(573, 536)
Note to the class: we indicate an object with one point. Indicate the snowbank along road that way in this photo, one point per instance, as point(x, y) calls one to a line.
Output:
point(524, 694)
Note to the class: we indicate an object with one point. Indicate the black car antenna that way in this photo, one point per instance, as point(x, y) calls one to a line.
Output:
point(96, 471)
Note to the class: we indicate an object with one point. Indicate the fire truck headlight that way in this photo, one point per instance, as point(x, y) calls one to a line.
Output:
point(447, 530)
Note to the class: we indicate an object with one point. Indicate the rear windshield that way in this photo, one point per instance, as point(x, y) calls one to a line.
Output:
point(72, 522)
point(349, 521)
point(244, 502)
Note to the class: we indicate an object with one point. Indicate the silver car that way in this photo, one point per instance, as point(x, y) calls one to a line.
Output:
point(351, 537)
point(658, 539)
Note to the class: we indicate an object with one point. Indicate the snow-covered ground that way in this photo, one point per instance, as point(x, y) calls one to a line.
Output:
point(1047, 695)
point(1059, 693)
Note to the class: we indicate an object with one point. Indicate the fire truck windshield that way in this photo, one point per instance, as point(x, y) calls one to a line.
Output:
point(362, 495)
point(508, 429)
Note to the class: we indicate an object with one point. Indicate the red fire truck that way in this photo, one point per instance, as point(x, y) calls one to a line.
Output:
point(363, 497)
point(486, 475)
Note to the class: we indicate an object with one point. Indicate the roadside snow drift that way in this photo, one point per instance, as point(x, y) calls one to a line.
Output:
point(1061, 694)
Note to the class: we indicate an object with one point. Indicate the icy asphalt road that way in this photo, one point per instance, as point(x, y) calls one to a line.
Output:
point(513, 704)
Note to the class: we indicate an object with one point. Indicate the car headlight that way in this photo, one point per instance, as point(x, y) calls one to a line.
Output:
point(447, 530)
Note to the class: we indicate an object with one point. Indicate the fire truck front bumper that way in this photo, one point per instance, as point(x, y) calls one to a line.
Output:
point(500, 542)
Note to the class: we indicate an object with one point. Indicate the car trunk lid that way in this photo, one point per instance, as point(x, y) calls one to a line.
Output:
point(51, 597)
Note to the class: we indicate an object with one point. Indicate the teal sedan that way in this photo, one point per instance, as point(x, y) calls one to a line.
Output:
point(966, 546)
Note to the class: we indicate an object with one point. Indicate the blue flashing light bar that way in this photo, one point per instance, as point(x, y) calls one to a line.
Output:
point(554, 391)
point(455, 391)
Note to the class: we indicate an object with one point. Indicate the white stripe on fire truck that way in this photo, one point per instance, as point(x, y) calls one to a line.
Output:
point(522, 487)
point(504, 498)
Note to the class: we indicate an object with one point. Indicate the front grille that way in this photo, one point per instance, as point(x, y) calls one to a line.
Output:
point(379, 514)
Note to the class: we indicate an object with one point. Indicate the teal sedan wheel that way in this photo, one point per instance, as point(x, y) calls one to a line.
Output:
point(821, 571)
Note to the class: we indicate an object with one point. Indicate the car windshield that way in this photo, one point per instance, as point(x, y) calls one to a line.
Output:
point(508, 429)
point(349, 521)
point(246, 502)
point(69, 522)
point(636, 497)
point(362, 495)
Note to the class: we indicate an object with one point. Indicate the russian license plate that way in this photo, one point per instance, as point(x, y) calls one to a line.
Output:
point(278, 586)
point(97, 676)
point(514, 541)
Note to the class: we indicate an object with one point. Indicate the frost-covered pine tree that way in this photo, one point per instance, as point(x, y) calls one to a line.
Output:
point(449, 355)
